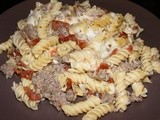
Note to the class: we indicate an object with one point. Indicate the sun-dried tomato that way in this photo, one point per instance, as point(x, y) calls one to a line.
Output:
point(33, 42)
point(81, 43)
point(69, 83)
point(114, 51)
point(32, 95)
point(123, 34)
point(24, 73)
point(22, 64)
point(110, 80)
point(102, 66)
point(130, 48)
point(90, 92)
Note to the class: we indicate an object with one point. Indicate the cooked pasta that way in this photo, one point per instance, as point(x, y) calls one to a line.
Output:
point(146, 59)
point(6, 45)
point(134, 56)
point(120, 56)
point(20, 43)
point(80, 107)
point(134, 76)
point(139, 89)
point(41, 61)
point(122, 100)
point(156, 66)
point(84, 60)
point(21, 24)
point(81, 58)
point(22, 96)
point(46, 20)
point(99, 111)
point(89, 82)
point(28, 58)
point(44, 44)
point(66, 47)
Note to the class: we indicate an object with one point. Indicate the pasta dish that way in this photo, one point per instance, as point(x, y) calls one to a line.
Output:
point(81, 58)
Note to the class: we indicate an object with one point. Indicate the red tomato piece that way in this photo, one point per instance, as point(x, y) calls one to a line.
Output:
point(17, 53)
point(81, 43)
point(110, 80)
point(26, 74)
point(90, 92)
point(130, 48)
point(114, 51)
point(103, 66)
point(123, 34)
point(32, 95)
point(33, 42)
point(63, 38)
point(69, 83)
point(20, 63)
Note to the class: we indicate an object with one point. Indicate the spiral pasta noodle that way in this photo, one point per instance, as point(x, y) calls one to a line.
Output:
point(46, 20)
point(28, 58)
point(20, 43)
point(134, 76)
point(98, 111)
point(146, 59)
point(156, 66)
point(139, 89)
point(21, 24)
point(26, 82)
point(122, 100)
point(41, 61)
point(44, 44)
point(120, 56)
point(66, 47)
point(134, 56)
point(80, 58)
point(6, 45)
point(91, 83)
point(22, 96)
point(80, 107)
point(84, 60)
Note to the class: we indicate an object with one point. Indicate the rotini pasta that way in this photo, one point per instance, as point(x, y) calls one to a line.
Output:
point(41, 61)
point(139, 89)
point(21, 24)
point(120, 56)
point(6, 45)
point(22, 96)
point(134, 56)
point(98, 111)
point(44, 44)
point(28, 58)
point(46, 20)
point(134, 76)
point(66, 47)
point(80, 58)
point(146, 59)
point(89, 82)
point(84, 60)
point(80, 107)
point(20, 43)
point(156, 66)
point(122, 100)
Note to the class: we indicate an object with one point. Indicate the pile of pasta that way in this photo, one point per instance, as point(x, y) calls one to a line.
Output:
point(103, 50)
